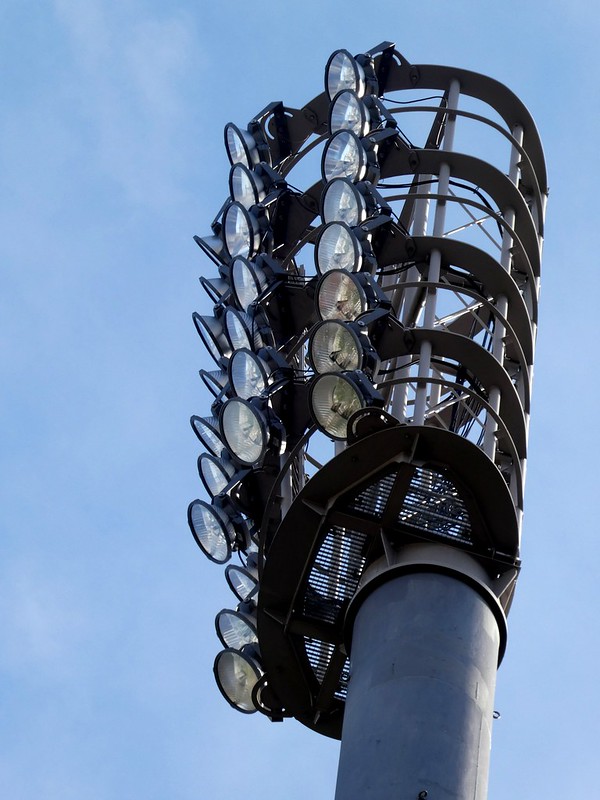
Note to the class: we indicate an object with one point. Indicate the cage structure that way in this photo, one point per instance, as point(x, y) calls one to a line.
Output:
point(373, 335)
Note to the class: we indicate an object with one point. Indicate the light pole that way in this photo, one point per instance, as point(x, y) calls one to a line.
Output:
point(375, 580)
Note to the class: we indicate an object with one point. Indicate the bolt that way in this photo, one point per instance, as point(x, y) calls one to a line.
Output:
point(422, 795)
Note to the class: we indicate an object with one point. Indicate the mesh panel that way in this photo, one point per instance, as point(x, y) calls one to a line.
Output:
point(373, 500)
point(433, 504)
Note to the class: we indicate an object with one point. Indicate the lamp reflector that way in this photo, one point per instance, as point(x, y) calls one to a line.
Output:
point(242, 237)
point(343, 72)
point(214, 473)
point(344, 157)
point(248, 282)
point(245, 186)
point(337, 248)
point(212, 531)
point(334, 347)
point(244, 430)
point(342, 202)
point(242, 330)
point(207, 430)
point(348, 113)
point(248, 374)
point(340, 296)
point(241, 582)
point(240, 146)
point(210, 330)
point(234, 629)
point(215, 380)
point(333, 400)
point(237, 675)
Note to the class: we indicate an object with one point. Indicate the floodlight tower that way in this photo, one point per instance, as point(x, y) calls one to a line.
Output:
point(375, 575)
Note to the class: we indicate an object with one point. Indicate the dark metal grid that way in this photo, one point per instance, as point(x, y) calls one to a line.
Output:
point(434, 505)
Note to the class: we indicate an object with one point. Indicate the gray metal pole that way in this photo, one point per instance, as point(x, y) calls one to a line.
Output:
point(418, 714)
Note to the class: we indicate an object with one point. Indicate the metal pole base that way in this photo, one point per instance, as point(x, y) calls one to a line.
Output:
point(419, 709)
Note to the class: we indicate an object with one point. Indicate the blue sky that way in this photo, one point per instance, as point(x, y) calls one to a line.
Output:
point(111, 158)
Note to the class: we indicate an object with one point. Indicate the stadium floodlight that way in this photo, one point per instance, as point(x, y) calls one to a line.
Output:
point(345, 295)
point(207, 430)
point(215, 473)
point(245, 186)
point(212, 529)
point(237, 628)
point(349, 113)
point(337, 247)
point(336, 346)
point(249, 429)
point(242, 581)
point(342, 202)
point(237, 673)
point(366, 454)
point(344, 156)
point(241, 146)
point(214, 380)
point(334, 398)
point(248, 374)
point(344, 72)
point(212, 333)
point(241, 231)
point(248, 281)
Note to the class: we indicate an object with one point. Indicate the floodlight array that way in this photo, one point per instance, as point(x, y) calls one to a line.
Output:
point(399, 309)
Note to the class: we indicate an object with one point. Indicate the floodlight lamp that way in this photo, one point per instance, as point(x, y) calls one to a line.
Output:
point(344, 72)
point(245, 186)
point(242, 581)
point(207, 430)
point(349, 113)
point(336, 346)
point(215, 288)
point(241, 231)
point(214, 247)
point(341, 201)
point(212, 530)
point(249, 430)
point(241, 146)
point(236, 629)
point(342, 295)
point(248, 281)
point(246, 330)
point(334, 398)
point(248, 374)
point(215, 473)
point(236, 674)
point(337, 247)
point(210, 330)
point(214, 380)
point(344, 156)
